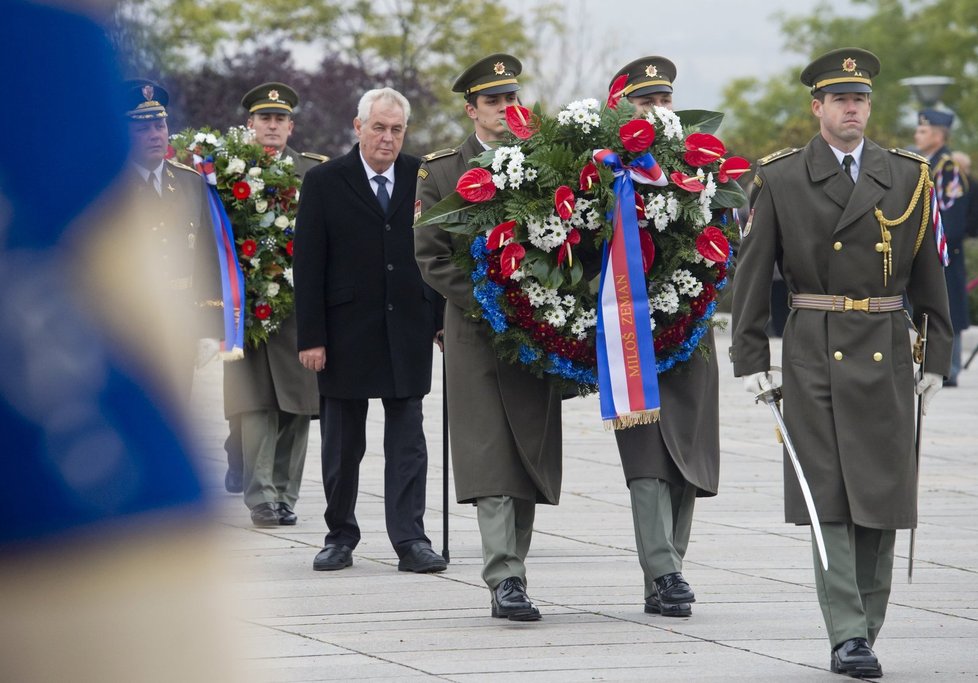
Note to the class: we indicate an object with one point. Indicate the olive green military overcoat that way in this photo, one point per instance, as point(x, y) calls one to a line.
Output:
point(271, 376)
point(505, 423)
point(848, 376)
point(684, 445)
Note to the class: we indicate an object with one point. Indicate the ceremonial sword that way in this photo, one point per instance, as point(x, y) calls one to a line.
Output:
point(771, 397)
point(921, 345)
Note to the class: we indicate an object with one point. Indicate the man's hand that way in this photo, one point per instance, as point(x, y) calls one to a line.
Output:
point(313, 359)
point(927, 387)
point(440, 339)
point(760, 382)
point(206, 351)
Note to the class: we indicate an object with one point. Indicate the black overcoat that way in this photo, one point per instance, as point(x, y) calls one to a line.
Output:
point(358, 290)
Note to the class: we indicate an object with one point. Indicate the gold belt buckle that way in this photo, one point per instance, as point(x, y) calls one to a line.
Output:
point(856, 304)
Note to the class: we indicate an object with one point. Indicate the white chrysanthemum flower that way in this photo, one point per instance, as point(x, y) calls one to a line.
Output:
point(549, 234)
point(236, 165)
point(200, 137)
point(672, 127)
point(255, 262)
point(535, 292)
point(287, 161)
point(288, 277)
point(555, 317)
point(282, 221)
point(687, 283)
point(584, 321)
point(584, 216)
point(254, 172)
point(272, 289)
point(499, 180)
point(518, 274)
point(210, 139)
point(666, 300)
point(261, 206)
point(531, 173)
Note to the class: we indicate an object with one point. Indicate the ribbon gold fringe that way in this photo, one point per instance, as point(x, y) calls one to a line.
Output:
point(237, 353)
point(642, 417)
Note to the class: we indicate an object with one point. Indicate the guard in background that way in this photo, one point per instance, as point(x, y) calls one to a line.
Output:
point(850, 224)
point(953, 189)
point(269, 398)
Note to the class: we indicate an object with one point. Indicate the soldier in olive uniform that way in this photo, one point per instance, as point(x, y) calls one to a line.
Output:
point(171, 201)
point(953, 189)
point(669, 463)
point(848, 224)
point(269, 397)
point(505, 423)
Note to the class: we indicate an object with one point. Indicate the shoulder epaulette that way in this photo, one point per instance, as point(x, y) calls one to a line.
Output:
point(183, 166)
point(315, 157)
point(780, 154)
point(910, 155)
point(440, 154)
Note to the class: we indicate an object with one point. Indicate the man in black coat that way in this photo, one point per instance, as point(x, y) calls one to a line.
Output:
point(366, 322)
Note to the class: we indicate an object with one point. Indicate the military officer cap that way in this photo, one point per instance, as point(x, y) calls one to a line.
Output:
point(935, 117)
point(145, 99)
point(270, 98)
point(647, 75)
point(492, 75)
point(848, 69)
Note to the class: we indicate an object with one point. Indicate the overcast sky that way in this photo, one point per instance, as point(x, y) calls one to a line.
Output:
point(711, 41)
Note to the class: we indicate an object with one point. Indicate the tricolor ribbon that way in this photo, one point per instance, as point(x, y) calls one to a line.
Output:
point(232, 279)
point(940, 239)
point(627, 378)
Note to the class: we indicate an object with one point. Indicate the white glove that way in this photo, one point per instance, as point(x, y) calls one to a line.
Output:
point(927, 388)
point(760, 382)
point(206, 351)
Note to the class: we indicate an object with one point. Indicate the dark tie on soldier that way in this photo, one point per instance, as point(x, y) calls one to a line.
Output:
point(847, 166)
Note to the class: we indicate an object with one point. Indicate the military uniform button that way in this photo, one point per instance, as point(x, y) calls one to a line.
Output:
point(879, 247)
point(390, 307)
point(837, 246)
point(838, 355)
point(390, 266)
point(877, 356)
point(387, 227)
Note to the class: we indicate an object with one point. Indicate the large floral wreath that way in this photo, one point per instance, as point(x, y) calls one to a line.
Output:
point(260, 193)
point(549, 199)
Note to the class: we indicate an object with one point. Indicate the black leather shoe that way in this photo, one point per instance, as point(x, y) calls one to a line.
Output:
point(672, 597)
point(333, 557)
point(233, 481)
point(510, 601)
point(672, 609)
point(286, 517)
point(421, 559)
point(856, 658)
point(265, 514)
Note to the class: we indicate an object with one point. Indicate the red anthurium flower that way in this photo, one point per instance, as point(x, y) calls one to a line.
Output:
point(589, 177)
point(637, 135)
point(241, 189)
point(249, 248)
point(703, 149)
point(170, 152)
point(573, 237)
point(686, 182)
point(648, 250)
point(520, 121)
point(616, 91)
point(639, 206)
point(263, 311)
point(733, 168)
point(289, 247)
point(712, 245)
point(510, 259)
point(500, 236)
point(476, 185)
point(564, 202)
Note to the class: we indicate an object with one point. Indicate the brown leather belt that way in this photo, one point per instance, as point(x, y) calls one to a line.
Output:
point(838, 303)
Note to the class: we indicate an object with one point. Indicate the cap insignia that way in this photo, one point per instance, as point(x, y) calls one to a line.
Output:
point(499, 68)
point(273, 94)
point(148, 92)
point(849, 64)
point(651, 71)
